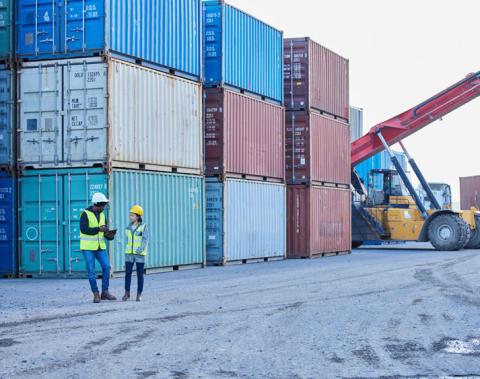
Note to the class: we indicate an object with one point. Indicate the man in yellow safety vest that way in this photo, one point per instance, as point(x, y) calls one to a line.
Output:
point(93, 227)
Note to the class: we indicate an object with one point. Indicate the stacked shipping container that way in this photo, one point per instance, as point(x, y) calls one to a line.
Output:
point(110, 101)
point(470, 192)
point(244, 140)
point(8, 205)
point(317, 150)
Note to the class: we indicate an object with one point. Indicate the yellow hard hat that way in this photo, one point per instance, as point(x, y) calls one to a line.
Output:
point(137, 209)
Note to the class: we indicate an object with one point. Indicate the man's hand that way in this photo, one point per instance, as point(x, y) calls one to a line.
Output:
point(103, 228)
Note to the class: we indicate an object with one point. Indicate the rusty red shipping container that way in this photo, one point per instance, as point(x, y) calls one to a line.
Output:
point(470, 192)
point(318, 221)
point(317, 149)
point(315, 77)
point(244, 136)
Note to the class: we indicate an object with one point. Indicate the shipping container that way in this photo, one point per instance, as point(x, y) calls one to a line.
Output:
point(86, 112)
point(470, 192)
point(245, 220)
point(380, 161)
point(317, 149)
point(241, 51)
point(52, 202)
point(315, 78)
point(165, 33)
point(8, 223)
point(244, 136)
point(7, 115)
point(356, 123)
point(6, 30)
point(318, 221)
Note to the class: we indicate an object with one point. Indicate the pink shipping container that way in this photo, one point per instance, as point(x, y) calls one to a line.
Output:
point(317, 149)
point(318, 221)
point(244, 136)
point(470, 192)
point(315, 78)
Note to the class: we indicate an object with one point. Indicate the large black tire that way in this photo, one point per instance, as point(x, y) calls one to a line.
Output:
point(356, 244)
point(448, 232)
point(474, 242)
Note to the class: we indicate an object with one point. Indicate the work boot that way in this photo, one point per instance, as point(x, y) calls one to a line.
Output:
point(96, 297)
point(126, 296)
point(108, 296)
point(139, 296)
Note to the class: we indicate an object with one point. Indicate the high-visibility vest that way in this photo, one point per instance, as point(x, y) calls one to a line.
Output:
point(96, 242)
point(134, 240)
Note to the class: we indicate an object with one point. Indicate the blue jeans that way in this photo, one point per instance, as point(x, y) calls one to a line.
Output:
point(128, 276)
point(102, 258)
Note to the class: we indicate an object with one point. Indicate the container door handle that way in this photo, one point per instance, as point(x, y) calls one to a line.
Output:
point(91, 139)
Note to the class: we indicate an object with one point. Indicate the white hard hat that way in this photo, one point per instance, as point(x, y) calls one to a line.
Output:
point(99, 198)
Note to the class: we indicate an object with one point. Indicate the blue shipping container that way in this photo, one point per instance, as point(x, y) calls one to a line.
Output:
point(163, 32)
point(378, 162)
point(241, 51)
point(7, 106)
point(52, 202)
point(245, 220)
point(8, 222)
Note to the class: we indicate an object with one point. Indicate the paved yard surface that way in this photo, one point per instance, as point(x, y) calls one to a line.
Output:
point(376, 313)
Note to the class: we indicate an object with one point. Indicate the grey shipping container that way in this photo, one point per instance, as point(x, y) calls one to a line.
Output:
point(96, 111)
point(7, 116)
point(356, 123)
point(245, 220)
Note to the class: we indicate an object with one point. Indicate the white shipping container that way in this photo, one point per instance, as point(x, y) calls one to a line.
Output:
point(103, 111)
point(356, 123)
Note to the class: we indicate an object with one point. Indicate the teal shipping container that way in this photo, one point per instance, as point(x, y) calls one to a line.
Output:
point(6, 30)
point(51, 202)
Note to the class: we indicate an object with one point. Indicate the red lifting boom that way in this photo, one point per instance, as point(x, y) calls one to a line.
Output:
point(411, 121)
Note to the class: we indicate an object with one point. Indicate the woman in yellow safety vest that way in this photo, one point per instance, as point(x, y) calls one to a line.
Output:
point(135, 251)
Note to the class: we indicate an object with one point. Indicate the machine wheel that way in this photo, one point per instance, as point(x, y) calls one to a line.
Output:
point(356, 244)
point(474, 242)
point(448, 232)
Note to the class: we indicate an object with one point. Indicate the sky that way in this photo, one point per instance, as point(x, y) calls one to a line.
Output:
point(400, 53)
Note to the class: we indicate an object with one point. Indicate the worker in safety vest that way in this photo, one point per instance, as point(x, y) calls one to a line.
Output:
point(93, 231)
point(135, 250)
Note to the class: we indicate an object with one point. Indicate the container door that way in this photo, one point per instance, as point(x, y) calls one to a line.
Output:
point(5, 28)
point(6, 126)
point(212, 21)
point(38, 27)
point(40, 115)
point(78, 191)
point(7, 226)
point(214, 220)
point(82, 25)
point(85, 137)
point(41, 226)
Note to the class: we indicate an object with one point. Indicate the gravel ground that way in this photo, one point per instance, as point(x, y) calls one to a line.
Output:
point(376, 313)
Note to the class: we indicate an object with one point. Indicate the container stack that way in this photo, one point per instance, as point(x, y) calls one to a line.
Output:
point(8, 181)
point(356, 123)
point(317, 150)
point(109, 101)
point(244, 139)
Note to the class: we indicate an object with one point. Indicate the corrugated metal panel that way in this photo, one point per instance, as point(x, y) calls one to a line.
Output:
point(317, 149)
point(6, 29)
point(8, 225)
point(319, 221)
point(241, 51)
point(162, 32)
point(245, 220)
point(315, 77)
point(174, 213)
point(356, 123)
point(7, 109)
point(243, 135)
point(470, 192)
point(154, 118)
point(52, 201)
